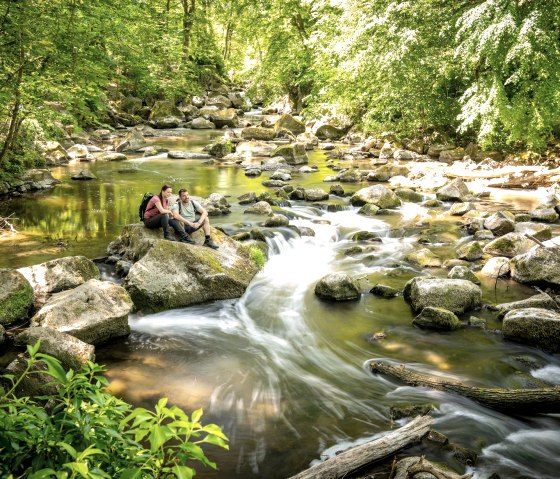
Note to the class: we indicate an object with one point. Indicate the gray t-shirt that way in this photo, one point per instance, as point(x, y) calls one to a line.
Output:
point(187, 211)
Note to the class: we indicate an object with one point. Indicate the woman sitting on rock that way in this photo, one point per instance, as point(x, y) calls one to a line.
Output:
point(157, 212)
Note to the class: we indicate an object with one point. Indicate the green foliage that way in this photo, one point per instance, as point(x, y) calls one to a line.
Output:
point(257, 255)
point(82, 431)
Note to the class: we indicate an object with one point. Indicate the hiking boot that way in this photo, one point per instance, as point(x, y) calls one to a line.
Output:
point(187, 239)
point(210, 244)
point(168, 237)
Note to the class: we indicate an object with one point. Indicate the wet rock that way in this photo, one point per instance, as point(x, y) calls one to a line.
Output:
point(538, 265)
point(330, 132)
point(366, 236)
point(260, 208)
point(509, 245)
point(227, 117)
point(316, 194)
point(378, 195)
point(548, 215)
point(16, 296)
point(281, 175)
point(247, 198)
point(288, 122)
point(455, 295)
point(58, 275)
point(465, 456)
point(472, 225)
point(435, 149)
point(273, 183)
point(254, 172)
point(483, 235)
point(500, 223)
point(122, 267)
point(470, 251)
point(456, 190)
point(449, 156)
point(84, 175)
point(424, 258)
point(348, 176)
point(38, 179)
point(406, 194)
point(496, 267)
point(337, 287)
point(409, 410)
point(386, 172)
point(432, 204)
point(187, 155)
point(386, 151)
point(337, 190)
point(111, 156)
point(70, 351)
point(276, 220)
point(459, 209)
point(94, 312)
point(542, 300)
point(536, 230)
point(201, 123)
point(294, 153)
point(404, 155)
point(437, 318)
point(462, 272)
point(133, 141)
point(369, 210)
point(78, 151)
point(534, 326)
point(476, 322)
point(384, 291)
point(451, 263)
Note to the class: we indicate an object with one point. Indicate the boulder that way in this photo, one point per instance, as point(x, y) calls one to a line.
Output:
point(403, 155)
point(131, 105)
point(111, 156)
point(69, 350)
point(281, 175)
point(470, 251)
point(455, 295)
point(247, 198)
point(406, 194)
point(449, 156)
point(165, 109)
point(258, 133)
point(221, 148)
point(542, 300)
point(201, 123)
point(220, 101)
point(94, 312)
point(536, 230)
point(384, 291)
point(78, 151)
point(459, 209)
point(539, 265)
point(16, 296)
point(369, 210)
point(463, 272)
point(509, 245)
point(456, 190)
point(348, 176)
point(337, 287)
point(436, 149)
point(216, 204)
point(58, 275)
point(386, 172)
point(316, 194)
point(548, 215)
point(500, 223)
point(276, 220)
point(288, 122)
point(227, 117)
point(437, 318)
point(260, 208)
point(248, 149)
point(187, 155)
point(424, 258)
point(308, 139)
point(173, 275)
point(294, 153)
point(329, 132)
point(378, 195)
point(133, 141)
point(496, 267)
point(240, 101)
point(534, 326)
point(84, 175)
point(167, 122)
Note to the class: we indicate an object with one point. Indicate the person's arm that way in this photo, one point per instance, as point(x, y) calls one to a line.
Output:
point(161, 209)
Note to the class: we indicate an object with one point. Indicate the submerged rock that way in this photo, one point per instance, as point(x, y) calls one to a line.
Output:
point(337, 287)
point(437, 318)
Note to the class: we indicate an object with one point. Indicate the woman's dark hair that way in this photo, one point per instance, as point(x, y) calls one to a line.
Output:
point(163, 188)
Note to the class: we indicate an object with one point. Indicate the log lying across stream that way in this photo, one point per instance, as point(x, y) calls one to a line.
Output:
point(541, 400)
point(378, 449)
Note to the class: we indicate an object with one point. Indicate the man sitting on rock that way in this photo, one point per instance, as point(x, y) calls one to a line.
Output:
point(184, 219)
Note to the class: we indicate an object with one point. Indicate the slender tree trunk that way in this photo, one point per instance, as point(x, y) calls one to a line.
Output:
point(227, 43)
point(188, 19)
point(12, 130)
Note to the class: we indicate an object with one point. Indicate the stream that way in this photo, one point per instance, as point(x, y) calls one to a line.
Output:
point(282, 372)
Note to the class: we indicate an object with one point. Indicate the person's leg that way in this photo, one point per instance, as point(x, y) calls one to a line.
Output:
point(180, 230)
point(207, 240)
point(153, 222)
point(165, 227)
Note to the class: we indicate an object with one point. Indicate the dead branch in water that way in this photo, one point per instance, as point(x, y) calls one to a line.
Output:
point(540, 400)
point(6, 223)
point(359, 456)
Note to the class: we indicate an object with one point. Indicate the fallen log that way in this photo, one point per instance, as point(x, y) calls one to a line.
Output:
point(378, 449)
point(408, 467)
point(541, 400)
point(494, 173)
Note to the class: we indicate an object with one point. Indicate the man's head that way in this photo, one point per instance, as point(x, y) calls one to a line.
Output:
point(184, 195)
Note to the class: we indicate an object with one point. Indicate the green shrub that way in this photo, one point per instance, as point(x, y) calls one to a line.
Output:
point(257, 255)
point(82, 431)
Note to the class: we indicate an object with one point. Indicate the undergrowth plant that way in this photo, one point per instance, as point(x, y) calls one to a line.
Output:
point(81, 431)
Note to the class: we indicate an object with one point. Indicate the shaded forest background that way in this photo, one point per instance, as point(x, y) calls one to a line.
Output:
point(483, 71)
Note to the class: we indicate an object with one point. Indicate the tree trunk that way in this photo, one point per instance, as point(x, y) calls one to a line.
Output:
point(541, 400)
point(188, 19)
point(378, 449)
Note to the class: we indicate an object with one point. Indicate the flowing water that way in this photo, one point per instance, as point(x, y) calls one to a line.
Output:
point(282, 372)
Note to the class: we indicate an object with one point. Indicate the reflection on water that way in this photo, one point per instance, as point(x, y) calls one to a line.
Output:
point(284, 373)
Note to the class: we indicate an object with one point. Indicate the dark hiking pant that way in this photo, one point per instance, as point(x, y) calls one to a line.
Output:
point(157, 221)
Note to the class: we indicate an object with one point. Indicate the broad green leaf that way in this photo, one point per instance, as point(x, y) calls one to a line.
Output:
point(183, 472)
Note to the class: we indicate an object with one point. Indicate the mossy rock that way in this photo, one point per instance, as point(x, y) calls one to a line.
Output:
point(16, 296)
point(437, 318)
